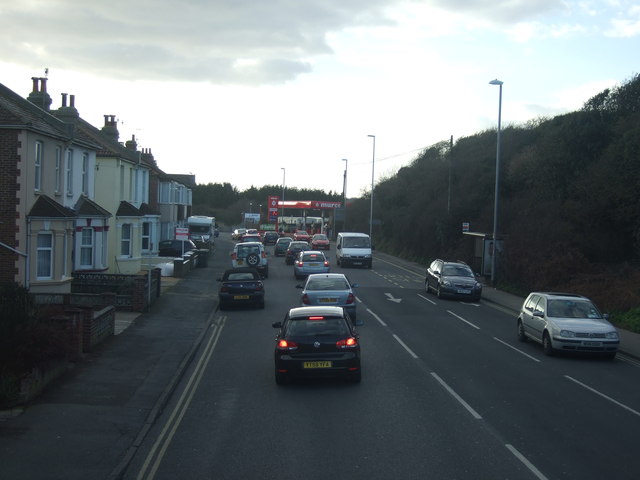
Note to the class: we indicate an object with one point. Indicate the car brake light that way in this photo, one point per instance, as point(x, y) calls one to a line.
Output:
point(305, 299)
point(326, 263)
point(234, 256)
point(224, 289)
point(316, 318)
point(351, 298)
point(264, 254)
point(350, 342)
point(300, 264)
point(287, 345)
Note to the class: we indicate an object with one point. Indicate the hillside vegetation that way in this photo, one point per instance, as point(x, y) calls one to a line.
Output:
point(569, 203)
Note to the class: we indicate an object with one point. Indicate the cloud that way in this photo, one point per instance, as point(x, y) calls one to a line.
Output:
point(245, 42)
point(503, 11)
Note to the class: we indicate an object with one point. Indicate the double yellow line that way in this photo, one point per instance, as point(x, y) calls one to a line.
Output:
point(155, 456)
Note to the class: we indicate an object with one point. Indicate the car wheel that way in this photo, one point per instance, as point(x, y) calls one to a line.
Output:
point(521, 336)
point(426, 286)
point(281, 378)
point(546, 345)
point(253, 260)
point(438, 293)
point(356, 377)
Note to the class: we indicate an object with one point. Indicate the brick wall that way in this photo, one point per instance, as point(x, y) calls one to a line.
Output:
point(8, 204)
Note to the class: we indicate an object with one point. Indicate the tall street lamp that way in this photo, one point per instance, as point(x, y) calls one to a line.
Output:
point(282, 200)
point(373, 163)
point(495, 205)
point(344, 194)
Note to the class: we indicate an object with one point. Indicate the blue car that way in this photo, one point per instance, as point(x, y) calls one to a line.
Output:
point(308, 262)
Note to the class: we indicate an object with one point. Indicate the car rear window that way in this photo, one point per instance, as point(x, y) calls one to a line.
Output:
point(312, 257)
point(241, 276)
point(330, 326)
point(327, 284)
point(244, 250)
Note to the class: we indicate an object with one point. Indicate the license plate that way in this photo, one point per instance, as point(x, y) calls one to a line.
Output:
point(241, 297)
point(327, 300)
point(592, 344)
point(357, 263)
point(240, 261)
point(316, 365)
point(460, 290)
point(314, 264)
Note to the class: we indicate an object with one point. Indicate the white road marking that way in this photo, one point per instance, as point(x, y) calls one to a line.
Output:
point(517, 350)
point(405, 346)
point(465, 321)
point(526, 462)
point(635, 412)
point(475, 414)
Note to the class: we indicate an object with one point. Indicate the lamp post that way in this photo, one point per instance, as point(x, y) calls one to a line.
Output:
point(282, 199)
point(373, 163)
point(344, 194)
point(250, 207)
point(495, 205)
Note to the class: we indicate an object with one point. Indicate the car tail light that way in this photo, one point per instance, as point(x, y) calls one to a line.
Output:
point(350, 342)
point(299, 263)
point(326, 263)
point(305, 299)
point(259, 286)
point(264, 254)
point(287, 345)
point(234, 256)
point(316, 318)
point(224, 289)
point(351, 298)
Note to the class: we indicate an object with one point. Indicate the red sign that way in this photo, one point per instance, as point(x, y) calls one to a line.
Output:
point(313, 204)
point(272, 208)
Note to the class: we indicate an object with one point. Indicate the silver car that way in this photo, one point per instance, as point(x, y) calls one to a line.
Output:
point(563, 322)
point(329, 289)
point(309, 262)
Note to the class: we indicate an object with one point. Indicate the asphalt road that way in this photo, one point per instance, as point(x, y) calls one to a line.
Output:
point(447, 393)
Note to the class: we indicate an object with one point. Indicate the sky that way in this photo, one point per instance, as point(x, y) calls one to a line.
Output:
point(266, 92)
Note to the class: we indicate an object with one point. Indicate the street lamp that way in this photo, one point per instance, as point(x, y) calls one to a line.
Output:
point(495, 205)
point(250, 207)
point(282, 200)
point(344, 194)
point(373, 162)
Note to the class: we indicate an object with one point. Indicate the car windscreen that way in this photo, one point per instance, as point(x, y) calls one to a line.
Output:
point(456, 271)
point(356, 242)
point(572, 309)
point(329, 326)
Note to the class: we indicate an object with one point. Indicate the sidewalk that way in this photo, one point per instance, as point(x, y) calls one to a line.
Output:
point(93, 418)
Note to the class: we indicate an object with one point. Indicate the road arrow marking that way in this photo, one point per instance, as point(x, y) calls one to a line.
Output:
point(391, 298)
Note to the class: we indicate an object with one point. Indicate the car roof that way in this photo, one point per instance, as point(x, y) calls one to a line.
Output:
point(328, 275)
point(316, 252)
point(353, 234)
point(319, 310)
point(558, 295)
point(248, 243)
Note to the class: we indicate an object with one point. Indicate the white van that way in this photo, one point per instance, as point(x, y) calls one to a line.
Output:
point(353, 249)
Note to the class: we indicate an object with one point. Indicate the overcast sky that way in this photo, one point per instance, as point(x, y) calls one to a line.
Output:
point(236, 90)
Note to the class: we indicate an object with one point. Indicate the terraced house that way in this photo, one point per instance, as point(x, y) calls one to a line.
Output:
point(73, 198)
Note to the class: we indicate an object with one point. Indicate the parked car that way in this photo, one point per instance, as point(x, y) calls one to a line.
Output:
point(564, 322)
point(282, 244)
point(333, 289)
point(452, 279)
point(293, 250)
point(238, 233)
point(316, 341)
point(240, 286)
point(301, 236)
point(320, 242)
point(309, 262)
point(270, 238)
point(175, 248)
point(251, 254)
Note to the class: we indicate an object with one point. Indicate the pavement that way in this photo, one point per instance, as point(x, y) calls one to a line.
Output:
point(97, 415)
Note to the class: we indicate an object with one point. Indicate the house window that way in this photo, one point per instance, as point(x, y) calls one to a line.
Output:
point(69, 172)
point(86, 247)
point(38, 167)
point(58, 179)
point(85, 173)
point(146, 236)
point(125, 240)
point(44, 265)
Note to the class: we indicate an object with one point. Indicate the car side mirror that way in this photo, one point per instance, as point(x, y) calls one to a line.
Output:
point(299, 286)
point(354, 285)
point(538, 313)
point(276, 324)
point(219, 279)
point(338, 247)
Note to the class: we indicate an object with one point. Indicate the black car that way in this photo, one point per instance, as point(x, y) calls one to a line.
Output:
point(294, 249)
point(317, 342)
point(175, 248)
point(282, 244)
point(452, 279)
point(270, 238)
point(241, 286)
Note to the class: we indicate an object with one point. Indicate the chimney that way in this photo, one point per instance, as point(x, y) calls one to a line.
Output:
point(67, 114)
point(110, 129)
point(39, 95)
point(132, 144)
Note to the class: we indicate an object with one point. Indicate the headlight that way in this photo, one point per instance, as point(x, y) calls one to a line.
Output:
point(567, 333)
point(446, 283)
point(612, 335)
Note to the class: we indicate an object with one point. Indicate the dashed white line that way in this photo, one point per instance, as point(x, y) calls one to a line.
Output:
point(465, 321)
point(635, 412)
point(377, 318)
point(475, 414)
point(526, 462)
point(427, 299)
point(517, 350)
point(405, 346)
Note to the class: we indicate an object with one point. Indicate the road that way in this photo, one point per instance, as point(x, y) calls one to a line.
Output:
point(447, 393)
